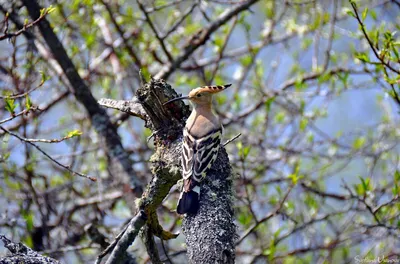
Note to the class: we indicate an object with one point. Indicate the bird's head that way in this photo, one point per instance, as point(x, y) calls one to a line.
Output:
point(201, 95)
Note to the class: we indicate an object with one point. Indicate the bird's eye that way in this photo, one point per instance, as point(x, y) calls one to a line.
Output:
point(198, 95)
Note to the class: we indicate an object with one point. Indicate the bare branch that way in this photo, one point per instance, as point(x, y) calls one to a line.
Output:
point(47, 155)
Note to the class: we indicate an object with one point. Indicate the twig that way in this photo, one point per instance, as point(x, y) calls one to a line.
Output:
point(221, 51)
point(25, 27)
point(112, 245)
point(23, 94)
point(168, 4)
point(177, 23)
point(47, 155)
point(204, 36)
point(70, 248)
point(165, 252)
point(266, 218)
point(126, 239)
point(98, 116)
point(153, 28)
point(232, 139)
point(125, 39)
point(25, 111)
point(41, 140)
point(380, 58)
point(43, 109)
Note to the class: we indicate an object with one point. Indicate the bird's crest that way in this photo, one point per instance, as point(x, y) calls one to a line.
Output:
point(208, 89)
point(213, 88)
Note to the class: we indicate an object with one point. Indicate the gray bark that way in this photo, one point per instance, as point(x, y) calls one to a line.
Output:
point(23, 254)
point(211, 233)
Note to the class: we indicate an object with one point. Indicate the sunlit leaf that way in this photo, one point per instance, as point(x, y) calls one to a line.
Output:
point(74, 133)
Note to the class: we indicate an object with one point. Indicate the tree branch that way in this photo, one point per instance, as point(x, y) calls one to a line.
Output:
point(210, 234)
point(201, 38)
point(23, 254)
point(100, 120)
point(127, 238)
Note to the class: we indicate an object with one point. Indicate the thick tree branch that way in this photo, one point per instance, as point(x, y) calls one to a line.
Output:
point(210, 234)
point(23, 254)
point(100, 119)
point(127, 238)
point(132, 107)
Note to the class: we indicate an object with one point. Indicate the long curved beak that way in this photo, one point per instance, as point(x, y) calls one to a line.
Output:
point(176, 99)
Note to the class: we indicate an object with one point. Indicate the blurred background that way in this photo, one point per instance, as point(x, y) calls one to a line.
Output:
point(316, 169)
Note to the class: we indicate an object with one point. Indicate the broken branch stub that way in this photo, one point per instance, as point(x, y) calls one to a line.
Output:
point(166, 121)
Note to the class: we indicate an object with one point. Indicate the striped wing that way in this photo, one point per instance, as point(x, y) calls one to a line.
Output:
point(199, 154)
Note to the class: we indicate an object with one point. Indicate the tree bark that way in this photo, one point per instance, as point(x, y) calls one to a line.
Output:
point(121, 166)
point(23, 254)
point(211, 233)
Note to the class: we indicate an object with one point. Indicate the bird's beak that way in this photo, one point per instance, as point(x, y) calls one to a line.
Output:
point(176, 99)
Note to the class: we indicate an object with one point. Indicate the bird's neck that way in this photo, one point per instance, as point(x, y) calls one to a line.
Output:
point(202, 120)
point(203, 109)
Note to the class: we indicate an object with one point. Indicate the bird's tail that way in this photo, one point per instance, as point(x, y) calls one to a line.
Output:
point(188, 202)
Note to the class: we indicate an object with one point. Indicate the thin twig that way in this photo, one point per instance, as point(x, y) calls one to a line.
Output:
point(177, 23)
point(127, 238)
point(165, 72)
point(47, 155)
point(165, 252)
point(380, 58)
point(23, 94)
point(22, 30)
point(232, 139)
point(23, 112)
point(153, 28)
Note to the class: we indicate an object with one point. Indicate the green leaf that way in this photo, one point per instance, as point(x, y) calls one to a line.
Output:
point(28, 103)
point(243, 150)
point(306, 43)
point(396, 190)
point(5, 156)
point(28, 241)
point(359, 143)
point(268, 103)
point(74, 133)
point(303, 124)
point(50, 9)
point(42, 11)
point(44, 76)
point(366, 184)
point(324, 77)
point(280, 117)
point(362, 56)
point(373, 14)
point(10, 106)
point(246, 151)
point(364, 14)
point(397, 176)
point(295, 178)
point(246, 60)
point(350, 13)
point(28, 217)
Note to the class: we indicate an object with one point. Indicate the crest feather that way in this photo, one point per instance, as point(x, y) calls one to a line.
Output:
point(214, 88)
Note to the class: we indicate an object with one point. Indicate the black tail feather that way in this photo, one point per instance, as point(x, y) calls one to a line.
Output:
point(188, 203)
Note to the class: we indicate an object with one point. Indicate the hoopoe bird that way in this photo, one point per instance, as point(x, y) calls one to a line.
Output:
point(201, 141)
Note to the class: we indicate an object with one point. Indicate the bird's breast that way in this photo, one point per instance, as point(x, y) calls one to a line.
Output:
point(200, 125)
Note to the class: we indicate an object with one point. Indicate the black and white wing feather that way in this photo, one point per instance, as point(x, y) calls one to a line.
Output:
point(199, 154)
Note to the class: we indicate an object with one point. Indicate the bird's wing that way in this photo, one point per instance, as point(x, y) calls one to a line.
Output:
point(199, 154)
